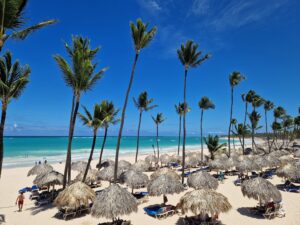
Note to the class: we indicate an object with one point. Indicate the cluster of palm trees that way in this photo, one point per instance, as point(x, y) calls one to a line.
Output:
point(13, 76)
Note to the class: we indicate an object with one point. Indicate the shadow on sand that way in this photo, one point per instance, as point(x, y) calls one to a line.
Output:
point(37, 209)
point(250, 212)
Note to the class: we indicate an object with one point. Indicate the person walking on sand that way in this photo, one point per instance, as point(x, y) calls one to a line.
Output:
point(20, 201)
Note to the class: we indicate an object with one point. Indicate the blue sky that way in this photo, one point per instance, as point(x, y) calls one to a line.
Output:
point(258, 38)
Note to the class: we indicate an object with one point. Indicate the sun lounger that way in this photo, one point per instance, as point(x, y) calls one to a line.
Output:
point(141, 197)
point(237, 182)
point(66, 213)
point(82, 210)
point(291, 188)
point(268, 175)
point(159, 212)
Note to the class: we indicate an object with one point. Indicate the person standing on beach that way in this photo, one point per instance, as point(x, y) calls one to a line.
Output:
point(20, 201)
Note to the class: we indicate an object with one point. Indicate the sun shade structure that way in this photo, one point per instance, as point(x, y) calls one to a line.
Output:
point(113, 202)
point(285, 159)
point(134, 179)
point(297, 153)
point(79, 166)
point(247, 165)
point(141, 166)
point(151, 159)
point(261, 190)
point(288, 171)
point(165, 159)
point(165, 171)
point(203, 201)
point(272, 160)
point(106, 163)
point(202, 180)
point(191, 161)
point(219, 164)
point(48, 179)
point(40, 169)
point(124, 165)
point(108, 174)
point(74, 196)
point(90, 178)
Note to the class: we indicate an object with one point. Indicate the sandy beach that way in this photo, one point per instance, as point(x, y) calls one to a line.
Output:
point(14, 179)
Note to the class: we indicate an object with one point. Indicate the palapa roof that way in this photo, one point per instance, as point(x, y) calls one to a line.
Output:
point(286, 159)
point(191, 161)
point(124, 165)
point(40, 169)
point(165, 159)
point(134, 179)
point(79, 166)
point(202, 180)
point(49, 179)
point(164, 184)
point(297, 153)
point(260, 189)
point(288, 171)
point(219, 164)
point(204, 201)
point(90, 178)
point(247, 165)
point(141, 166)
point(151, 159)
point(166, 171)
point(106, 163)
point(108, 173)
point(113, 202)
point(75, 195)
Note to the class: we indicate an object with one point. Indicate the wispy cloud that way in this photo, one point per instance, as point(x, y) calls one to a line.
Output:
point(151, 6)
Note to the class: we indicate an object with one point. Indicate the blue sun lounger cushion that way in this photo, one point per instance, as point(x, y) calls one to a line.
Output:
point(154, 210)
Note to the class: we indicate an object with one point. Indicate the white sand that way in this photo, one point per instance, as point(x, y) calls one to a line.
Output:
point(14, 179)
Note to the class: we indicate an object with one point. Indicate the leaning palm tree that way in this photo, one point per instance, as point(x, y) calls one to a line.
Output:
point(12, 19)
point(268, 105)
point(94, 121)
point(142, 104)
point(13, 80)
point(257, 101)
point(204, 104)
point(234, 79)
point(158, 120)
point(213, 145)
point(189, 56)
point(141, 39)
point(109, 114)
point(81, 77)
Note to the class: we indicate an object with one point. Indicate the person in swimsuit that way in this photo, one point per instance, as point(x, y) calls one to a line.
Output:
point(20, 201)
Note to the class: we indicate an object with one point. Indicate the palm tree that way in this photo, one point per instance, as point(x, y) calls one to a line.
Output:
point(204, 104)
point(213, 145)
point(180, 111)
point(109, 114)
point(257, 101)
point(158, 120)
point(268, 105)
point(142, 104)
point(234, 79)
point(241, 131)
point(189, 56)
point(247, 98)
point(81, 77)
point(94, 121)
point(12, 18)
point(141, 39)
point(13, 80)
point(254, 119)
point(233, 123)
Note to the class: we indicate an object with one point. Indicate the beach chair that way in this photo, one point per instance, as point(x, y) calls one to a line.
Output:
point(160, 212)
point(141, 197)
point(268, 175)
point(66, 213)
point(292, 188)
point(82, 210)
point(237, 182)
point(269, 214)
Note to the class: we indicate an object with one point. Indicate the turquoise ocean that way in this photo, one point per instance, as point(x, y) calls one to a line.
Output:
point(25, 151)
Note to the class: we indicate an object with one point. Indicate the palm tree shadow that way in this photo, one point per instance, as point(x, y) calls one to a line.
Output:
point(2, 218)
point(38, 209)
point(248, 211)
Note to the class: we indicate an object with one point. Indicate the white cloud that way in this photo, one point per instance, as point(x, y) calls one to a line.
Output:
point(151, 6)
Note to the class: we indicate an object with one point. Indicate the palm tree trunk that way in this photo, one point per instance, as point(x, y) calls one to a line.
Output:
point(245, 119)
point(267, 133)
point(3, 118)
point(184, 125)
point(201, 135)
point(179, 135)
point(252, 135)
point(91, 156)
point(138, 137)
point(157, 145)
point(123, 117)
point(229, 129)
point(102, 148)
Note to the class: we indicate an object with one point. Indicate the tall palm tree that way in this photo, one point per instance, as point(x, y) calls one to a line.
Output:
point(213, 145)
point(233, 123)
point(142, 104)
point(247, 98)
point(241, 131)
point(158, 120)
point(254, 119)
point(109, 114)
point(13, 80)
point(94, 121)
point(189, 57)
point(204, 104)
point(180, 111)
point(12, 19)
point(80, 76)
point(257, 101)
point(141, 38)
point(234, 79)
point(268, 105)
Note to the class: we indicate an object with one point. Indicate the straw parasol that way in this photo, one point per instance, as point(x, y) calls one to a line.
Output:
point(124, 165)
point(113, 202)
point(108, 174)
point(203, 201)
point(191, 161)
point(106, 163)
point(219, 164)
point(75, 195)
point(40, 169)
point(285, 159)
point(151, 159)
point(134, 179)
point(262, 162)
point(49, 179)
point(260, 189)
point(141, 166)
point(297, 153)
point(247, 165)
point(288, 171)
point(165, 159)
point(79, 166)
point(272, 160)
point(167, 171)
point(202, 180)
point(90, 178)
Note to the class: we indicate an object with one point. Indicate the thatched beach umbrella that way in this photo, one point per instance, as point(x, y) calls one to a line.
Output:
point(141, 166)
point(90, 178)
point(134, 179)
point(219, 164)
point(203, 201)
point(75, 195)
point(79, 166)
point(288, 171)
point(202, 180)
point(151, 159)
point(297, 154)
point(40, 169)
point(108, 174)
point(124, 165)
point(106, 163)
point(247, 165)
point(191, 161)
point(165, 159)
point(285, 159)
point(167, 171)
point(49, 179)
point(262, 162)
point(260, 189)
point(272, 160)
point(113, 202)
point(164, 185)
